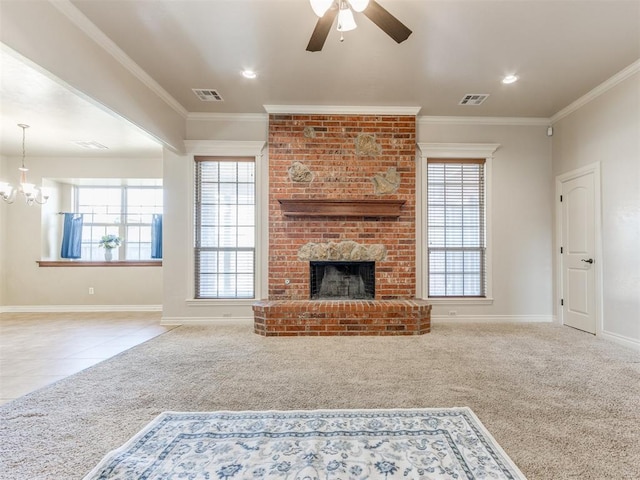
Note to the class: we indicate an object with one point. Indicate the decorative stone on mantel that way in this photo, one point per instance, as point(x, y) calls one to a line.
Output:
point(300, 173)
point(346, 251)
point(366, 145)
point(385, 183)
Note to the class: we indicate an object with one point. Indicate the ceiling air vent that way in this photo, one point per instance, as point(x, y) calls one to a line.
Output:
point(473, 98)
point(208, 94)
point(91, 145)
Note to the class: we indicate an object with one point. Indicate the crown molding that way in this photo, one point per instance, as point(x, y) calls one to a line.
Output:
point(225, 147)
point(98, 36)
point(508, 121)
point(458, 150)
point(339, 110)
point(227, 117)
point(604, 87)
point(427, 120)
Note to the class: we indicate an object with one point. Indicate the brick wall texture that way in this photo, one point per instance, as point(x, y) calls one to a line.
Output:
point(326, 145)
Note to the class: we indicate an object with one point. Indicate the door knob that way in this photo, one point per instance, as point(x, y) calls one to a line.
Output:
point(590, 260)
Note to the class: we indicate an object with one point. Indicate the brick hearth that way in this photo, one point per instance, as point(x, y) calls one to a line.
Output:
point(320, 159)
point(353, 317)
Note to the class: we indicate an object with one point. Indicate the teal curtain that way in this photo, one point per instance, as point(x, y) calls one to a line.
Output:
point(72, 236)
point(156, 236)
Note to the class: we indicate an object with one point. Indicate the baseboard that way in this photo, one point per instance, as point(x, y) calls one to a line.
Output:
point(434, 319)
point(78, 308)
point(621, 339)
point(206, 321)
point(493, 319)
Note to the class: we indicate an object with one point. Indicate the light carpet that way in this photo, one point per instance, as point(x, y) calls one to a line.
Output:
point(563, 404)
point(446, 443)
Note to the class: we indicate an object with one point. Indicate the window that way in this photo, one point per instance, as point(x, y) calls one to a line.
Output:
point(225, 227)
point(456, 236)
point(125, 211)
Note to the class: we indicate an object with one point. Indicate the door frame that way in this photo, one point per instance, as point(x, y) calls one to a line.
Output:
point(594, 169)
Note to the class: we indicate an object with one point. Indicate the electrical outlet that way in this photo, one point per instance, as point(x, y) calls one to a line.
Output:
point(453, 313)
point(91, 291)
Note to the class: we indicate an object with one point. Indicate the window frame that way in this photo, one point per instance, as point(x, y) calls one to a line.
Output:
point(198, 159)
point(230, 148)
point(452, 151)
point(478, 172)
point(122, 226)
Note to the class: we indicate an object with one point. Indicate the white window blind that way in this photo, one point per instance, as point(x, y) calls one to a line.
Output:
point(225, 228)
point(456, 234)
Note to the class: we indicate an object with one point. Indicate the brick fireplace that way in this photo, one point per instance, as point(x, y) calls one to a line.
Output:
point(342, 191)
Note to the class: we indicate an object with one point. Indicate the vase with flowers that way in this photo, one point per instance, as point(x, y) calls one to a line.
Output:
point(109, 242)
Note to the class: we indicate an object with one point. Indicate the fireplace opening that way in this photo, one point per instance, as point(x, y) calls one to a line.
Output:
point(342, 280)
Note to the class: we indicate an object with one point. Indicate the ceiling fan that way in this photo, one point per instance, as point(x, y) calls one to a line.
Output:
point(328, 10)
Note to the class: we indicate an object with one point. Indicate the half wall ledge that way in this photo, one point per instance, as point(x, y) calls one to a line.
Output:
point(341, 317)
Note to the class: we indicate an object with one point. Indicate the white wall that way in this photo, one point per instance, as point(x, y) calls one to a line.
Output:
point(607, 130)
point(522, 230)
point(521, 219)
point(228, 134)
point(3, 237)
point(227, 127)
point(28, 286)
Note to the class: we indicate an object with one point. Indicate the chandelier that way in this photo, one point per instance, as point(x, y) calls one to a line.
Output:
point(32, 194)
point(346, 22)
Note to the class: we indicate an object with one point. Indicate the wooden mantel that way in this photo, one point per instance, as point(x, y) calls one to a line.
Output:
point(325, 207)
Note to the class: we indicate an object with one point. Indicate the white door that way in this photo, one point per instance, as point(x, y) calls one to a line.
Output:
point(578, 252)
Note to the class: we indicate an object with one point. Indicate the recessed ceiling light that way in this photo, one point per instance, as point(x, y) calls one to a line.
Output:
point(510, 79)
point(249, 74)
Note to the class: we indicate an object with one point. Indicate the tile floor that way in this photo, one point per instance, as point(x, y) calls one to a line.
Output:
point(38, 349)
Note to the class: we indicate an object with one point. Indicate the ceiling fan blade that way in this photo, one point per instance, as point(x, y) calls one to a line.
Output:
point(387, 22)
point(320, 33)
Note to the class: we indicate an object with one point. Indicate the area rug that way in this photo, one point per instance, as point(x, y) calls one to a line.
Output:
point(446, 443)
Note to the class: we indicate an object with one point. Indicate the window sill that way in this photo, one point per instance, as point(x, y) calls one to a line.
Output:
point(459, 301)
point(72, 263)
point(220, 302)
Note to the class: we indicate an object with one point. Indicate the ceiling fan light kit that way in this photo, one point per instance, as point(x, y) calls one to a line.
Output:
point(328, 10)
point(359, 5)
point(320, 7)
point(346, 22)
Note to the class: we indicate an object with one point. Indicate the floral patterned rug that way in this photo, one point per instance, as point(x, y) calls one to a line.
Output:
point(446, 443)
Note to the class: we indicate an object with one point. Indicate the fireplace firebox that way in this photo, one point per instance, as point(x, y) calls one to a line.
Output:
point(342, 280)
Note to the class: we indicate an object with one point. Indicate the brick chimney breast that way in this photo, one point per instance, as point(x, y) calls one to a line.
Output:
point(323, 146)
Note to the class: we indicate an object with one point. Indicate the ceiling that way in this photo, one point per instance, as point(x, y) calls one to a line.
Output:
point(560, 49)
point(59, 116)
